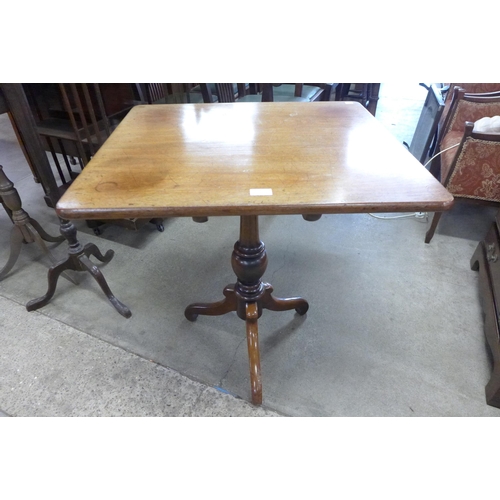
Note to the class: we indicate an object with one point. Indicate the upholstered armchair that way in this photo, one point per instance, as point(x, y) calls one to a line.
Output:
point(478, 89)
point(469, 165)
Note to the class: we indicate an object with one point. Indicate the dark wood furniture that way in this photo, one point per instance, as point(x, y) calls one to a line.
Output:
point(25, 228)
point(486, 261)
point(469, 166)
point(257, 159)
point(14, 98)
point(265, 92)
point(296, 92)
point(74, 121)
point(365, 93)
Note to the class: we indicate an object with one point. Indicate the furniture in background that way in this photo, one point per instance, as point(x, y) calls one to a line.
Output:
point(168, 93)
point(426, 129)
point(74, 123)
point(486, 261)
point(13, 99)
point(365, 93)
point(469, 88)
point(266, 92)
point(297, 92)
point(469, 166)
point(25, 229)
point(229, 92)
point(302, 161)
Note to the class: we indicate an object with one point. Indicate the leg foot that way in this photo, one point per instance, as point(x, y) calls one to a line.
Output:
point(53, 276)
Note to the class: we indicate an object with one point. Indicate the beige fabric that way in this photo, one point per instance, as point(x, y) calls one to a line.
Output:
point(487, 125)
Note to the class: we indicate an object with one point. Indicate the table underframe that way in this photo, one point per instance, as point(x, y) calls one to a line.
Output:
point(249, 296)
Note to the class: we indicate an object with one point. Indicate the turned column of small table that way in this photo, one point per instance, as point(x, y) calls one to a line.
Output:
point(250, 159)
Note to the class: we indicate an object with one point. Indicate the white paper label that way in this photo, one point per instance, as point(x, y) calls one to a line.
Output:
point(261, 192)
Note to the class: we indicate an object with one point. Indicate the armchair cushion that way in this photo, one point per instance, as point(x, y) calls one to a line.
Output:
point(477, 171)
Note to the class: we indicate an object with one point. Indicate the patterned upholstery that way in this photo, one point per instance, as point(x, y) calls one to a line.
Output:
point(472, 169)
point(476, 173)
point(464, 108)
point(471, 111)
point(470, 88)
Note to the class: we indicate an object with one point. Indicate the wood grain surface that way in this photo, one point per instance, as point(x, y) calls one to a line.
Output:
point(250, 159)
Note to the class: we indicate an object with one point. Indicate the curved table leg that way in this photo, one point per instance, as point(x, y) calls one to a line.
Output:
point(99, 277)
point(224, 306)
point(16, 242)
point(91, 249)
point(252, 329)
point(52, 276)
point(275, 304)
point(39, 241)
point(44, 235)
point(78, 260)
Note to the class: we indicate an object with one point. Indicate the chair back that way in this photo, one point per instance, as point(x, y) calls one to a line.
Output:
point(85, 108)
point(453, 105)
point(163, 93)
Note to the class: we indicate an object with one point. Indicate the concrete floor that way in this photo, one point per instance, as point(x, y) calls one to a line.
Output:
point(394, 328)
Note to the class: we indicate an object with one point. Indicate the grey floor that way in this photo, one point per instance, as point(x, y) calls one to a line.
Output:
point(394, 328)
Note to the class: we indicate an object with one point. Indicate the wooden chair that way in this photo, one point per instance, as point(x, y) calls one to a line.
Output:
point(462, 106)
point(365, 93)
point(305, 92)
point(229, 92)
point(265, 92)
point(78, 130)
point(75, 130)
point(479, 89)
point(168, 93)
point(472, 171)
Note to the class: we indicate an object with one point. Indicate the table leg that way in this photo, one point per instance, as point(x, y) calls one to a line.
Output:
point(25, 228)
point(252, 314)
point(78, 260)
point(249, 296)
point(16, 243)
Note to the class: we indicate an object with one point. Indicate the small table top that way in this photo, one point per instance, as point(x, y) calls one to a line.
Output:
point(250, 159)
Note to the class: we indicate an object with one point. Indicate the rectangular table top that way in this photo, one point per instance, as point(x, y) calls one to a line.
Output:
point(250, 159)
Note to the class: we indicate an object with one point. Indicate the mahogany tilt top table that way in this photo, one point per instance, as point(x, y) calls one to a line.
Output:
point(250, 159)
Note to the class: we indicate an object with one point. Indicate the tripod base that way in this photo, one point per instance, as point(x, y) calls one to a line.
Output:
point(249, 296)
point(78, 260)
